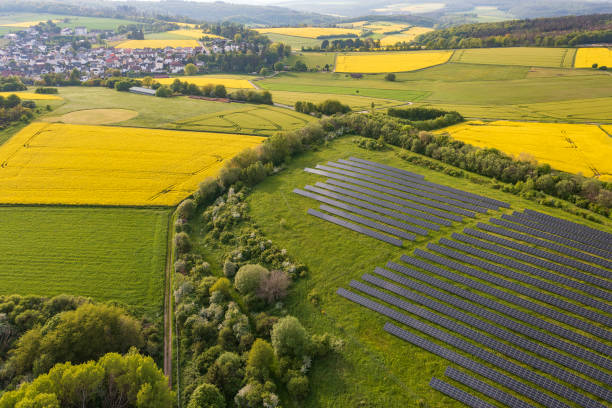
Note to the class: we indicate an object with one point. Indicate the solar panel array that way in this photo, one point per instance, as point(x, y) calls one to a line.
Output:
point(387, 203)
point(510, 295)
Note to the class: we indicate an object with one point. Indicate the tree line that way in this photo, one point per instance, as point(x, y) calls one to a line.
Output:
point(545, 32)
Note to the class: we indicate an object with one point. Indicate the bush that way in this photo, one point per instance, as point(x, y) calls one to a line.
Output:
point(42, 90)
point(273, 286)
point(298, 387)
point(249, 278)
point(229, 269)
point(261, 361)
point(390, 77)
point(226, 373)
point(222, 285)
point(289, 338)
point(206, 396)
point(182, 242)
point(186, 208)
point(163, 92)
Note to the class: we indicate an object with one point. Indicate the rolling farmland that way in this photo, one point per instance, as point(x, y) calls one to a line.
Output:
point(249, 119)
point(309, 32)
point(354, 101)
point(573, 148)
point(395, 62)
point(85, 251)
point(405, 36)
point(586, 57)
point(534, 56)
point(139, 44)
point(73, 164)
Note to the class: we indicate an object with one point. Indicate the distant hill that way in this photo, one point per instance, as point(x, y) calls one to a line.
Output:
point(555, 31)
point(202, 11)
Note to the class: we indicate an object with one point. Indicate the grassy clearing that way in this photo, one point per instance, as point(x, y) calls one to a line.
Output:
point(375, 369)
point(312, 59)
point(249, 119)
point(355, 102)
point(152, 112)
point(108, 254)
point(527, 56)
point(94, 116)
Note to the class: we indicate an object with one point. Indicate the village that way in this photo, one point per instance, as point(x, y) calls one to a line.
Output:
point(34, 52)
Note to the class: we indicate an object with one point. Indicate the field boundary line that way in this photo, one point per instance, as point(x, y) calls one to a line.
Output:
point(168, 312)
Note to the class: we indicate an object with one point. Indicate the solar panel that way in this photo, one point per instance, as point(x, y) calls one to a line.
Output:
point(603, 235)
point(524, 290)
point(478, 368)
point(356, 228)
point(442, 204)
point(480, 207)
point(443, 352)
point(575, 236)
point(467, 332)
point(551, 237)
point(351, 189)
point(579, 297)
point(366, 213)
point(521, 253)
point(559, 259)
point(502, 321)
point(483, 199)
point(486, 389)
point(369, 223)
point(458, 394)
point(363, 204)
point(383, 203)
point(577, 232)
point(378, 178)
point(511, 298)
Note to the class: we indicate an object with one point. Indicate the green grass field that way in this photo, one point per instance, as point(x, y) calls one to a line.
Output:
point(355, 102)
point(92, 23)
point(374, 369)
point(474, 87)
point(313, 59)
point(296, 43)
point(247, 119)
point(111, 254)
point(152, 111)
point(527, 56)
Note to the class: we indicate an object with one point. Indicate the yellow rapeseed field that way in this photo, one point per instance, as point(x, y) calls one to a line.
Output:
point(194, 33)
point(404, 36)
point(586, 57)
point(205, 80)
point(308, 32)
point(134, 44)
point(24, 24)
point(32, 96)
point(50, 163)
point(373, 62)
point(573, 148)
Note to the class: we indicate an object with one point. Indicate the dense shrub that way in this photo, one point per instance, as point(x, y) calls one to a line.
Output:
point(182, 242)
point(390, 77)
point(327, 107)
point(249, 277)
point(289, 338)
point(186, 208)
point(206, 396)
point(43, 90)
point(257, 97)
point(273, 286)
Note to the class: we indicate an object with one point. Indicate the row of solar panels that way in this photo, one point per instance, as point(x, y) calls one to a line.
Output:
point(386, 203)
point(543, 341)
